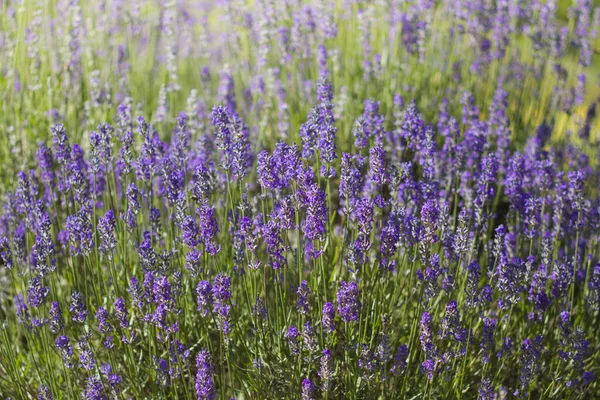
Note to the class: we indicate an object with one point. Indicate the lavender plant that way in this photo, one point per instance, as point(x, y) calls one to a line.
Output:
point(302, 200)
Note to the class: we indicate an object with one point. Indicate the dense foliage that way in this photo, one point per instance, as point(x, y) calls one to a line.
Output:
point(264, 200)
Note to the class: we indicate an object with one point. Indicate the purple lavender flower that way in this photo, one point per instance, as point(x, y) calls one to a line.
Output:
point(319, 132)
point(400, 360)
point(21, 310)
point(303, 293)
point(161, 366)
point(366, 362)
point(190, 231)
point(60, 142)
point(146, 163)
point(173, 179)
point(309, 134)
point(125, 161)
point(426, 339)
point(429, 216)
point(593, 297)
point(78, 177)
point(360, 136)
point(106, 229)
point(451, 328)
point(348, 302)
point(221, 293)
point(573, 345)
point(94, 390)
point(510, 276)
point(326, 143)
point(108, 342)
point(5, 253)
point(308, 337)
point(66, 350)
point(373, 122)
point(100, 149)
point(36, 292)
point(531, 352)
point(209, 228)
point(43, 252)
point(56, 321)
point(222, 120)
point(537, 292)
point(161, 291)
point(204, 293)
point(316, 213)
point(203, 183)
point(532, 217)
point(587, 377)
point(193, 262)
point(383, 351)
point(307, 389)
point(562, 276)
point(388, 243)
point(221, 288)
point(23, 197)
point(147, 256)
point(45, 160)
point(86, 356)
point(205, 388)
point(485, 186)
point(364, 215)
point(77, 308)
point(292, 336)
point(20, 243)
point(431, 277)
point(132, 193)
point(486, 390)
point(377, 171)
point(44, 393)
point(136, 292)
point(580, 89)
point(80, 233)
point(326, 370)
point(114, 380)
point(487, 341)
point(277, 170)
point(350, 181)
point(413, 127)
point(121, 312)
point(328, 317)
point(428, 367)
point(470, 112)
point(102, 316)
point(472, 286)
point(271, 232)
point(575, 193)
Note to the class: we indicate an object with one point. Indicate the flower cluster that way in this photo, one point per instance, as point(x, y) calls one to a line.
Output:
point(391, 199)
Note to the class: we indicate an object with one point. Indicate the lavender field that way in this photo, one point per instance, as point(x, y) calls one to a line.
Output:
point(286, 199)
